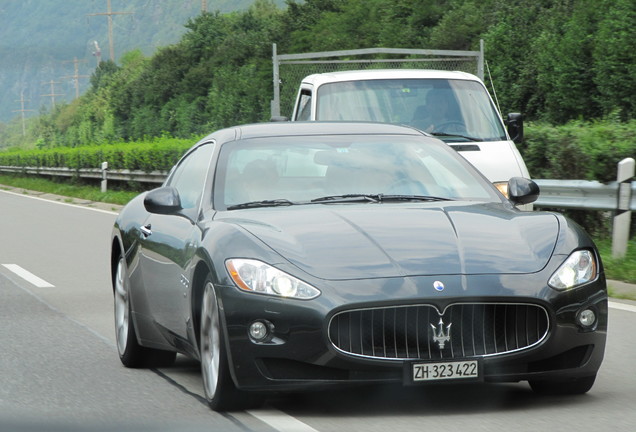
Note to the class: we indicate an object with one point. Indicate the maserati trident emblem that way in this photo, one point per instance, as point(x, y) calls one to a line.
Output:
point(438, 334)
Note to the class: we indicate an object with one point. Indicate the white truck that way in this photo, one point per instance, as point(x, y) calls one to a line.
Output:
point(453, 106)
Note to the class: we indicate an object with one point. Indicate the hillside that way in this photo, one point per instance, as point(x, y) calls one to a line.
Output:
point(40, 39)
point(553, 61)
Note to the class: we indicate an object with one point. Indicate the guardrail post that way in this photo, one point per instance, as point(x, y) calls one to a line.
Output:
point(104, 179)
point(623, 216)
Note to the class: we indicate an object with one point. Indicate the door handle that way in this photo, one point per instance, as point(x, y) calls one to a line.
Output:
point(146, 230)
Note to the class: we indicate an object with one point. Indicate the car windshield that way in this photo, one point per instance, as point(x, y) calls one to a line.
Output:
point(449, 108)
point(281, 171)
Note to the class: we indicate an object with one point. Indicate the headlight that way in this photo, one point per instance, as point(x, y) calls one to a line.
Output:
point(579, 268)
point(256, 276)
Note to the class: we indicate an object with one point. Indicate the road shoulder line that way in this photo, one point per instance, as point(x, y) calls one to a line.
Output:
point(28, 276)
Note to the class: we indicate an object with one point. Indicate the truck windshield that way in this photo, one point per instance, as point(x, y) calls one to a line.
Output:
point(453, 110)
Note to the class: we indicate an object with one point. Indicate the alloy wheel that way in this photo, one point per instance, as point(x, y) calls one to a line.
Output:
point(122, 308)
point(210, 342)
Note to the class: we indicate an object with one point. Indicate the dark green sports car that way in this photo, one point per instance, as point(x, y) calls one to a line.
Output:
point(290, 256)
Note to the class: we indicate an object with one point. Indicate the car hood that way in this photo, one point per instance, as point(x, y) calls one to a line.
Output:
point(346, 241)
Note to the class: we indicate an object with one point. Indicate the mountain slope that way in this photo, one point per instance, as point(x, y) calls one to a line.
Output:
point(41, 39)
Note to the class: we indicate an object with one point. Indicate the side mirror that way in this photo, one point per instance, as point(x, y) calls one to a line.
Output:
point(514, 124)
point(163, 200)
point(522, 190)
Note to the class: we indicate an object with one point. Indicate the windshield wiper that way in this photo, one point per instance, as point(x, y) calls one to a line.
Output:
point(376, 198)
point(263, 203)
point(384, 198)
point(447, 135)
point(348, 198)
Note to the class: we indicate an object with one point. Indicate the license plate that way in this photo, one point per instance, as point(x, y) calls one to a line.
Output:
point(453, 370)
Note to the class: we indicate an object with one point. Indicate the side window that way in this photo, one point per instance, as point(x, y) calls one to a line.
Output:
point(304, 106)
point(189, 176)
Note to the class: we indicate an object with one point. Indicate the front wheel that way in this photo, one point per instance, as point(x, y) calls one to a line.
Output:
point(566, 387)
point(220, 391)
point(132, 354)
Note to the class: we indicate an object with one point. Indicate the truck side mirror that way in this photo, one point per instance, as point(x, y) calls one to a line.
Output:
point(514, 124)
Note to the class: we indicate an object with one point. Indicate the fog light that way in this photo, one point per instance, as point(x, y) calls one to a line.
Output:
point(587, 318)
point(259, 331)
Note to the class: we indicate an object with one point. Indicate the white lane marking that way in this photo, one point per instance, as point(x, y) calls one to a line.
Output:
point(61, 203)
point(622, 306)
point(28, 276)
point(281, 421)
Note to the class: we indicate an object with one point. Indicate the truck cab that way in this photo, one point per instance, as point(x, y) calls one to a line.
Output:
point(452, 106)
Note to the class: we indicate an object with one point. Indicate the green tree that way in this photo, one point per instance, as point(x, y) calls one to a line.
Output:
point(462, 25)
point(615, 58)
point(564, 63)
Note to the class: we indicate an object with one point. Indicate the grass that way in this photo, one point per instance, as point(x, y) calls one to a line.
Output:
point(79, 191)
point(620, 269)
point(623, 269)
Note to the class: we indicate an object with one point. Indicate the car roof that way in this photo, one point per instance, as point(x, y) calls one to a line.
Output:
point(318, 79)
point(260, 130)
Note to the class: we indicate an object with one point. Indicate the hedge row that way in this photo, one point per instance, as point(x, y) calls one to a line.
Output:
point(158, 154)
point(578, 150)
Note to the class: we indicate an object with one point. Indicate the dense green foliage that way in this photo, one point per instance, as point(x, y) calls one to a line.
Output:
point(578, 150)
point(554, 60)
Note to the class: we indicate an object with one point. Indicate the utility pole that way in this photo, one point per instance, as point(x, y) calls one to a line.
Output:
point(22, 110)
point(76, 76)
point(52, 94)
point(110, 14)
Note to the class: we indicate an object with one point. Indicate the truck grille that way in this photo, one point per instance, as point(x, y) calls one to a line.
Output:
point(419, 332)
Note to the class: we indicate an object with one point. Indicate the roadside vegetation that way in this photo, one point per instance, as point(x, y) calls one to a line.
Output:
point(554, 61)
point(566, 67)
point(67, 189)
point(623, 269)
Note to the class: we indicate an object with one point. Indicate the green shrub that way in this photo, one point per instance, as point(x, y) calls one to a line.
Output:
point(578, 150)
point(158, 154)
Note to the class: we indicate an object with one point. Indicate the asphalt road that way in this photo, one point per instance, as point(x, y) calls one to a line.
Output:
point(59, 368)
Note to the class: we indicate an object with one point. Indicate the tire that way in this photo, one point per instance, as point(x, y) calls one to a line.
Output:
point(131, 354)
point(219, 389)
point(573, 386)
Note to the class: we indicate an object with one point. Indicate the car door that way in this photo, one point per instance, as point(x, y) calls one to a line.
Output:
point(169, 242)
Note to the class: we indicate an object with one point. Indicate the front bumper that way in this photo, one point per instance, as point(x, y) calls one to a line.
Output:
point(300, 355)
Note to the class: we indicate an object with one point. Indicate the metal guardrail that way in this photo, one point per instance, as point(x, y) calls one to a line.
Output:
point(618, 197)
point(91, 173)
point(581, 194)
point(562, 194)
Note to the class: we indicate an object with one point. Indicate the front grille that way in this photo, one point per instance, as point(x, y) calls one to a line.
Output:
point(406, 332)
